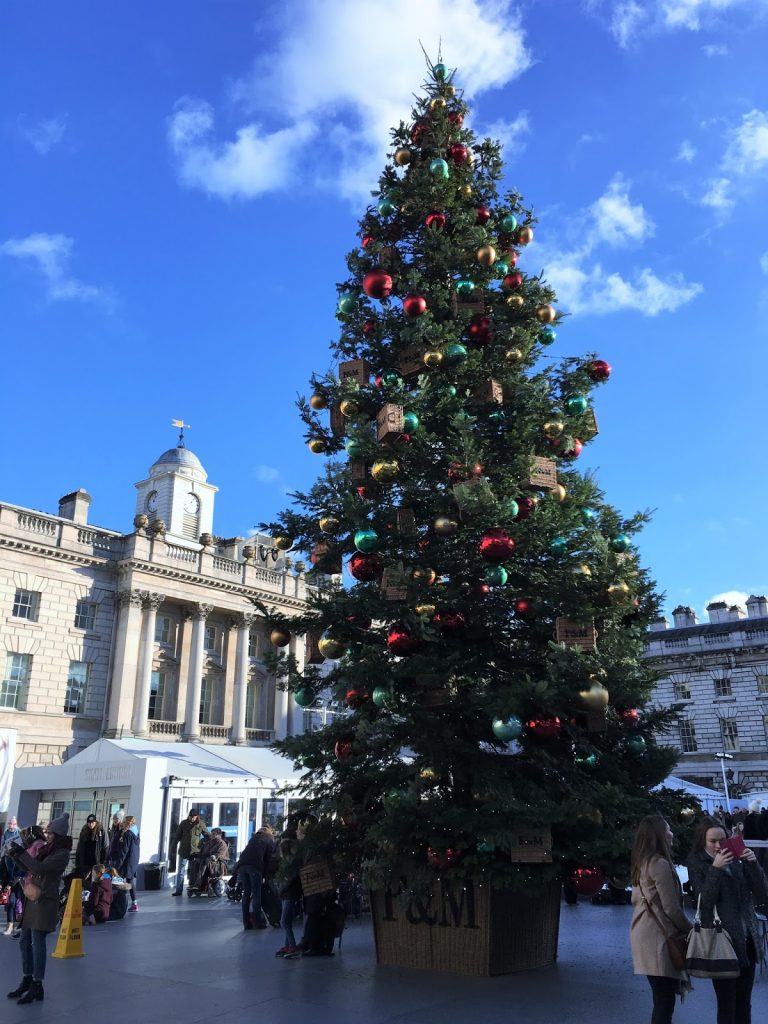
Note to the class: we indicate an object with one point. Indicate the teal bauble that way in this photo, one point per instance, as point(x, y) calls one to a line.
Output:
point(496, 417)
point(483, 846)
point(353, 448)
point(454, 353)
point(386, 206)
point(391, 379)
point(439, 168)
point(501, 267)
point(513, 508)
point(590, 761)
point(506, 729)
point(508, 224)
point(635, 745)
point(465, 287)
point(576, 404)
point(440, 71)
point(381, 696)
point(410, 422)
point(547, 335)
point(366, 540)
point(347, 302)
point(620, 542)
point(496, 575)
point(451, 389)
point(558, 545)
point(304, 698)
point(588, 515)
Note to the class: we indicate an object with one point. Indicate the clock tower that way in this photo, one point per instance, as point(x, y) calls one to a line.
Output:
point(177, 491)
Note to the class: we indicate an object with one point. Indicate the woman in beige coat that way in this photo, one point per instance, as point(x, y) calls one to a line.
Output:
point(657, 899)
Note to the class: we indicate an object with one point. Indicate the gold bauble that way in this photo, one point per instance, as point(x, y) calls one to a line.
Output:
point(515, 301)
point(432, 359)
point(425, 609)
point(438, 103)
point(449, 90)
point(486, 255)
point(385, 470)
point(317, 445)
point(525, 235)
point(581, 570)
point(349, 407)
point(428, 774)
point(422, 575)
point(546, 314)
point(446, 526)
point(318, 401)
point(283, 543)
point(619, 592)
point(402, 156)
point(687, 813)
point(329, 524)
point(466, 191)
point(331, 647)
point(553, 428)
point(595, 698)
point(559, 493)
point(280, 637)
point(514, 355)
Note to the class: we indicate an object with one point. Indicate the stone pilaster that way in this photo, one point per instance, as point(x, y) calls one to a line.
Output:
point(123, 681)
point(200, 613)
point(244, 621)
point(151, 602)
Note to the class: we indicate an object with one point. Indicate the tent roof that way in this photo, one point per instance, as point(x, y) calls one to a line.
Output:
point(673, 782)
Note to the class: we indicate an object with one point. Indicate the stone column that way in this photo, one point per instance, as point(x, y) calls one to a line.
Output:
point(243, 621)
point(283, 702)
point(123, 680)
point(151, 603)
point(200, 613)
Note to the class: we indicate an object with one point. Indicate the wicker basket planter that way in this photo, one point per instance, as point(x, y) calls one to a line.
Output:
point(467, 929)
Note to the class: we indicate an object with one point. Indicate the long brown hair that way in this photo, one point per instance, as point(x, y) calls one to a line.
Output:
point(650, 841)
point(699, 841)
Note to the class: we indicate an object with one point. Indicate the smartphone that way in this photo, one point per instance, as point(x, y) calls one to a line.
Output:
point(734, 845)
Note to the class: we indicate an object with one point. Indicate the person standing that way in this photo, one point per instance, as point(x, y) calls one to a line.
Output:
point(733, 885)
point(91, 846)
point(251, 867)
point(188, 837)
point(113, 838)
point(128, 856)
point(657, 901)
point(40, 914)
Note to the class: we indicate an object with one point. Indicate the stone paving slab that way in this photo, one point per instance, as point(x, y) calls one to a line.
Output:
point(190, 961)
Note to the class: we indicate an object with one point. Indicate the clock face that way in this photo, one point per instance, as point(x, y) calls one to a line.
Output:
point(192, 504)
point(152, 501)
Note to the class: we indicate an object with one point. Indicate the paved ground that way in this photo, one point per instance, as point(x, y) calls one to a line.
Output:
point(189, 961)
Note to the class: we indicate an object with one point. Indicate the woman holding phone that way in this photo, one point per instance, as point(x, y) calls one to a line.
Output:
point(725, 873)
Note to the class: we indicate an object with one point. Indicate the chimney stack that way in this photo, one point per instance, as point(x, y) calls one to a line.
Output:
point(736, 612)
point(74, 506)
point(757, 606)
point(658, 625)
point(718, 612)
point(684, 616)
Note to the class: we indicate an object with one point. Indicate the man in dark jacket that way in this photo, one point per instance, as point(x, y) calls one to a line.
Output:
point(251, 868)
point(188, 837)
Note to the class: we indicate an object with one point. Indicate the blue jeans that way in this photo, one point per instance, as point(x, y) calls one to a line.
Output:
point(32, 944)
point(250, 878)
point(286, 921)
point(181, 873)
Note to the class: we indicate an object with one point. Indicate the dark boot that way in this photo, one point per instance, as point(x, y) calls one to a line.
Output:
point(26, 983)
point(33, 993)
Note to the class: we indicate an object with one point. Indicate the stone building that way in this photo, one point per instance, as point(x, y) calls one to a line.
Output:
point(151, 634)
point(717, 673)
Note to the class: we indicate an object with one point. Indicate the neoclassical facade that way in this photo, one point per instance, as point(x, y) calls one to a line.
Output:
point(148, 634)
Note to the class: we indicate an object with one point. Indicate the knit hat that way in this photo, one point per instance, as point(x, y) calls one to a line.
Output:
point(60, 826)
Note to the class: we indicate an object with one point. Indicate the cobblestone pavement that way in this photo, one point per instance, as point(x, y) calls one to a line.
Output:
point(189, 961)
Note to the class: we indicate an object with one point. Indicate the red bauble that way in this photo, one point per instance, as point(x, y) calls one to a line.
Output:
point(574, 451)
point(435, 220)
point(442, 859)
point(458, 472)
point(512, 281)
point(496, 546)
point(544, 728)
point(482, 215)
point(356, 698)
point(414, 305)
point(523, 608)
point(480, 588)
point(342, 749)
point(456, 118)
point(365, 567)
point(378, 380)
point(586, 881)
point(367, 491)
point(480, 330)
point(525, 507)
point(368, 326)
point(599, 369)
point(417, 132)
point(367, 240)
point(401, 642)
point(377, 284)
point(458, 153)
point(630, 716)
point(511, 257)
point(449, 621)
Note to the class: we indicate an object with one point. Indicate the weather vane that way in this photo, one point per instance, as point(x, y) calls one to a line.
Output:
point(182, 427)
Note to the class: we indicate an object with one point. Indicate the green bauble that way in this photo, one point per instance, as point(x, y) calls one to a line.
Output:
point(547, 336)
point(386, 206)
point(513, 508)
point(381, 696)
point(347, 302)
point(465, 287)
point(620, 542)
point(635, 745)
point(391, 379)
point(496, 417)
point(410, 422)
point(590, 761)
point(558, 545)
point(304, 698)
point(506, 729)
point(588, 515)
point(451, 389)
point(439, 71)
point(501, 268)
point(576, 404)
point(496, 575)
point(439, 169)
point(366, 540)
point(454, 353)
point(508, 223)
point(353, 448)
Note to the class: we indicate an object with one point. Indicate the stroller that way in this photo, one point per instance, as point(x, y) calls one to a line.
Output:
point(205, 876)
point(234, 890)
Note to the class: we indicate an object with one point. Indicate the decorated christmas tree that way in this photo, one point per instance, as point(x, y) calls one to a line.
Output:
point(482, 607)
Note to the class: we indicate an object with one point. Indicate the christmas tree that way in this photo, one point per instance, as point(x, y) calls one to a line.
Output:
point(482, 607)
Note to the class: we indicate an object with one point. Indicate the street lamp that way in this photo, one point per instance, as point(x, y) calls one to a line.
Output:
point(722, 758)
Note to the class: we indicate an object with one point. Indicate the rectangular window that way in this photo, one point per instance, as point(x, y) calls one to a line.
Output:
point(273, 813)
point(682, 690)
point(162, 629)
point(26, 605)
point(762, 682)
point(765, 728)
point(156, 695)
point(210, 638)
point(688, 737)
point(723, 686)
point(730, 734)
point(252, 704)
point(77, 684)
point(85, 615)
point(253, 645)
point(206, 701)
point(13, 692)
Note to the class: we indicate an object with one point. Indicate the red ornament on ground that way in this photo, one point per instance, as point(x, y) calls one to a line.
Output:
point(414, 305)
point(496, 546)
point(342, 749)
point(449, 621)
point(377, 284)
point(435, 220)
point(525, 507)
point(512, 281)
point(586, 881)
point(368, 326)
point(599, 369)
point(367, 240)
point(544, 728)
point(365, 567)
point(401, 643)
point(458, 153)
point(482, 215)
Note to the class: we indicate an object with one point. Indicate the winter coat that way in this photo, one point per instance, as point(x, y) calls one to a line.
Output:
point(128, 854)
point(99, 901)
point(113, 845)
point(91, 849)
point(734, 889)
point(215, 846)
point(753, 826)
point(257, 853)
point(661, 888)
point(42, 915)
point(188, 836)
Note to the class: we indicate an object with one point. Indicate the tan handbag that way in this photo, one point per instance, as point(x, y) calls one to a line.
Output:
point(710, 950)
point(32, 890)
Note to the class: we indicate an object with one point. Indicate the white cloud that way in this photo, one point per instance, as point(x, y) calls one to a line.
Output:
point(509, 133)
point(687, 152)
point(316, 82)
point(628, 20)
point(52, 253)
point(764, 263)
point(47, 134)
point(747, 152)
point(718, 195)
point(715, 50)
point(615, 220)
point(267, 474)
point(598, 291)
point(731, 597)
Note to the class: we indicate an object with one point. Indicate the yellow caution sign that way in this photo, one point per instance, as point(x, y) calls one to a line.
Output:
point(70, 941)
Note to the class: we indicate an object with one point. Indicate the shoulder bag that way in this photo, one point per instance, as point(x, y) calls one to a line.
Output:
point(710, 950)
point(676, 944)
point(32, 890)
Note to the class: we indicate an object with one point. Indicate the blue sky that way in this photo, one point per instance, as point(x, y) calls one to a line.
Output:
point(181, 182)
